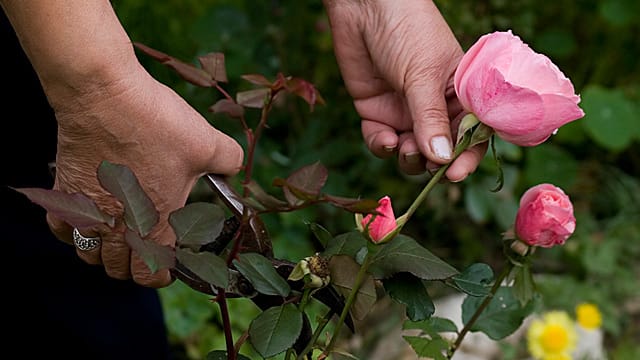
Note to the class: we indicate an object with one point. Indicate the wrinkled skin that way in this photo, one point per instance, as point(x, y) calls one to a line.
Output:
point(166, 143)
point(398, 59)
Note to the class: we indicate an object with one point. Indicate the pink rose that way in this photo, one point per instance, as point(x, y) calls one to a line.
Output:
point(545, 217)
point(519, 93)
point(383, 223)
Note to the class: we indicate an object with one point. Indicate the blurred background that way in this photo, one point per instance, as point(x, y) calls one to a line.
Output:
point(595, 159)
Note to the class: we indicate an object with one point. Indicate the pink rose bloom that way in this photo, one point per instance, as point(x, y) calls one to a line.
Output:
point(545, 217)
point(383, 223)
point(519, 93)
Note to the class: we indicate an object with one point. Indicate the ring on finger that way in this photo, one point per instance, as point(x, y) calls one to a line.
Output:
point(85, 243)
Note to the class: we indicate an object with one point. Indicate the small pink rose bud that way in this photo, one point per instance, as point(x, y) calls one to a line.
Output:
point(545, 217)
point(519, 93)
point(381, 224)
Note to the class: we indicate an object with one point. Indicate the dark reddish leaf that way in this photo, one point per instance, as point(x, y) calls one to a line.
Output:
point(156, 256)
point(229, 107)
point(310, 178)
point(361, 206)
point(257, 79)
point(76, 209)
point(304, 184)
point(208, 266)
point(268, 201)
point(280, 83)
point(140, 213)
point(187, 71)
point(253, 98)
point(344, 271)
point(305, 90)
point(213, 63)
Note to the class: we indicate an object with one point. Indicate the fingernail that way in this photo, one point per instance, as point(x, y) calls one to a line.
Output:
point(412, 158)
point(432, 169)
point(389, 148)
point(441, 147)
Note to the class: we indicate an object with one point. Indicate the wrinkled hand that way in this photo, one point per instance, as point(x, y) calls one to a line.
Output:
point(397, 59)
point(140, 123)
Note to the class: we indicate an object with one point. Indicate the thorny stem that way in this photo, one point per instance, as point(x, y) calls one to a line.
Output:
point(252, 140)
point(241, 341)
point(467, 327)
point(350, 300)
point(316, 334)
point(221, 299)
point(459, 149)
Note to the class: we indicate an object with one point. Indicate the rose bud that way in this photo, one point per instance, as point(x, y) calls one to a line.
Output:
point(382, 223)
point(545, 217)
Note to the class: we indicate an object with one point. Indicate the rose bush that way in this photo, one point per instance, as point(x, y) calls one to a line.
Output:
point(519, 93)
point(545, 217)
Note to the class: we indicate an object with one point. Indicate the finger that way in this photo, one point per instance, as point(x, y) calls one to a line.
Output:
point(60, 229)
point(410, 160)
point(162, 234)
point(115, 253)
point(380, 138)
point(222, 154)
point(466, 163)
point(432, 127)
point(143, 275)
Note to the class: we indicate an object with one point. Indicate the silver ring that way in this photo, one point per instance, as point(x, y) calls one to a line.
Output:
point(85, 243)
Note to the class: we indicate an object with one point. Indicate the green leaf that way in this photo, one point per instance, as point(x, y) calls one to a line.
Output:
point(346, 244)
point(475, 280)
point(501, 317)
point(261, 273)
point(156, 256)
point(435, 349)
point(619, 12)
point(76, 209)
point(197, 223)
point(609, 119)
point(432, 326)
point(343, 275)
point(403, 254)
point(139, 212)
point(223, 355)
point(361, 206)
point(523, 285)
point(275, 330)
point(322, 234)
point(208, 266)
point(547, 163)
point(410, 291)
point(477, 202)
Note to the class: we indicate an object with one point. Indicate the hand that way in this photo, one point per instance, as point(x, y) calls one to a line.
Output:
point(138, 122)
point(398, 59)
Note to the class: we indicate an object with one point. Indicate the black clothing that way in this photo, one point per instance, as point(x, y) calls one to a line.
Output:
point(55, 304)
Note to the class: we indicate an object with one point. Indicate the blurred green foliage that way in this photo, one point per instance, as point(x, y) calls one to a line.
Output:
point(596, 43)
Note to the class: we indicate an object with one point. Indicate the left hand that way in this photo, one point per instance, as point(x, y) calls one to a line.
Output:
point(398, 59)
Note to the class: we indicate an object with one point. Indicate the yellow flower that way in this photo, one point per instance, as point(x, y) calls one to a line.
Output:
point(552, 337)
point(589, 316)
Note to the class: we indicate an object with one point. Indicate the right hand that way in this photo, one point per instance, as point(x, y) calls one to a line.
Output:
point(138, 122)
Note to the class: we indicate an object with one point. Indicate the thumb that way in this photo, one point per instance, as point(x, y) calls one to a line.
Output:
point(221, 153)
point(431, 124)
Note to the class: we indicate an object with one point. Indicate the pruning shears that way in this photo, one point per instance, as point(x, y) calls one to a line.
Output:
point(255, 238)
